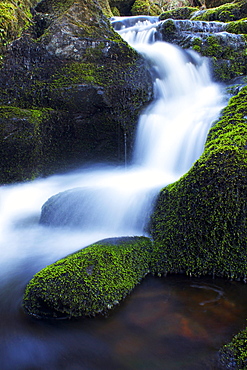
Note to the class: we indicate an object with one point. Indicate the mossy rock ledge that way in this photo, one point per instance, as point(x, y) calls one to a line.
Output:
point(91, 85)
point(199, 223)
point(89, 282)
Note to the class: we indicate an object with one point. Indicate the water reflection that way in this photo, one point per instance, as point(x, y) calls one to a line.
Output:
point(170, 323)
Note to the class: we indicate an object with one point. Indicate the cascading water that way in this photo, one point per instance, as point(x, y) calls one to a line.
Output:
point(170, 137)
point(116, 202)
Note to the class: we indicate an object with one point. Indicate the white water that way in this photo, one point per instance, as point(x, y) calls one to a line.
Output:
point(170, 137)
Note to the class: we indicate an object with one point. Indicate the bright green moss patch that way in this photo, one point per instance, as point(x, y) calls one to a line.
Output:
point(14, 17)
point(199, 224)
point(238, 27)
point(76, 72)
point(228, 61)
point(234, 354)
point(90, 281)
point(33, 115)
point(224, 13)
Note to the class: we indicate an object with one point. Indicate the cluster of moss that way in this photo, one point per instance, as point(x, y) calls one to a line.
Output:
point(89, 282)
point(224, 13)
point(15, 16)
point(234, 354)
point(199, 223)
point(21, 142)
point(227, 53)
point(145, 7)
point(180, 13)
point(237, 27)
point(227, 60)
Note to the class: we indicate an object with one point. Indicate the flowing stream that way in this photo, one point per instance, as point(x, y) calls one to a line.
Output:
point(118, 201)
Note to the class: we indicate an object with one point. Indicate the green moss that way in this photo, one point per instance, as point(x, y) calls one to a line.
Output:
point(237, 27)
point(33, 115)
point(234, 354)
point(14, 18)
point(21, 142)
point(115, 12)
point(180, 13)
point(76, 72)
point(224, 13)
point(197, 44)
point(140, 7)
point(90, 281)
point(213, 48)
point(53, 6)
point(199, 224)
point(168, 28)
point(227, 61)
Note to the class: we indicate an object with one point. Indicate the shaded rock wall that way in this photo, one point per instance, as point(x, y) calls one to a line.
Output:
point(91, 83)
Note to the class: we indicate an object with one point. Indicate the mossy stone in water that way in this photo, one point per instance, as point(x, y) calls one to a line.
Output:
point(90, 281)
point(231, 11)
point(180, 13)
point(233, 356)
point(199, 223)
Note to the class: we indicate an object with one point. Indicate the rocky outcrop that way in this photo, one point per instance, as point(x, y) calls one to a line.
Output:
point(223, 43)
point(231, 11)
point(233, 356)
point(89, 282)
point(199, 223)
point(90, 83)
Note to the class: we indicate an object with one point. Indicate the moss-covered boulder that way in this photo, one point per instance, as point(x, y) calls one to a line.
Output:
point(89, 282)
point(233, 356)
point(223, 43)
point(15, 16)
point(73, 63)
point(146, 7)
point(231, 11)
point(199, 222)
point(180, 13)
point(226, 52)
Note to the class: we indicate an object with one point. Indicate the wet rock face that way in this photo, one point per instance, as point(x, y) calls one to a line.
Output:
point(73, 63)
point(201, 219)
point(219, 41)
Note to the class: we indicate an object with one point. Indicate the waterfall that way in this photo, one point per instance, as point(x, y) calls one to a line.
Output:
point(170, 137)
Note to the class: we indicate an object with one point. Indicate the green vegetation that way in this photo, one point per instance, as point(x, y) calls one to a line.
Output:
point(21, 142)
point(145, 7)
point(227, 60)
point(235, 352)
point(224, 13)
point(199, 224)
point(180, 13)
point(238, 27)
point(15, 17)
point(90, 281)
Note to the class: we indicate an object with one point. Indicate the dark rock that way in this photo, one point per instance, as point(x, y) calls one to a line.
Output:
point(225, 50)
point(80, 68)
point(199, 223)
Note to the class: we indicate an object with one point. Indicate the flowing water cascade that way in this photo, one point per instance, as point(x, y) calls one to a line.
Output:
point(118, 200)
